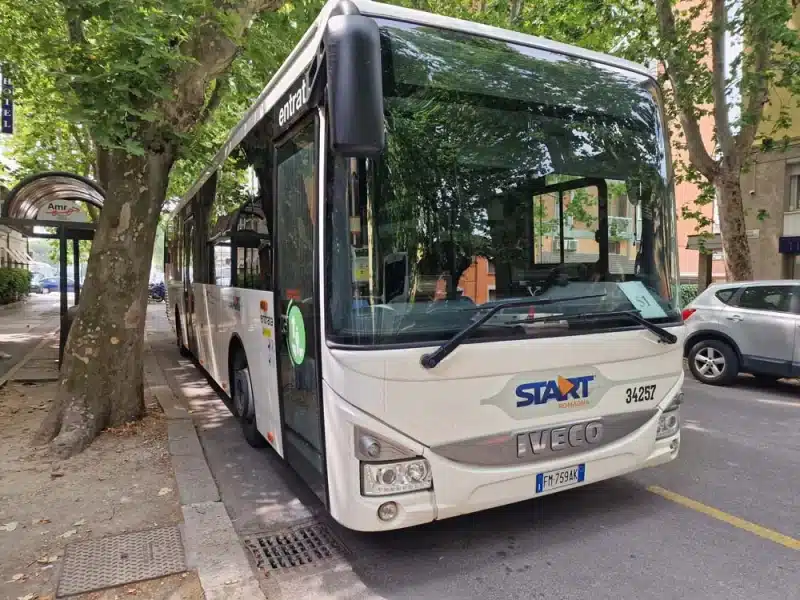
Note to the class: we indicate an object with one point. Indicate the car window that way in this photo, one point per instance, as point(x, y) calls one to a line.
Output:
point(775, 298)
point(727, 294)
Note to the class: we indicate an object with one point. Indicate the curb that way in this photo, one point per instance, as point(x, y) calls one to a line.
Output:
point(210, 541)
point(12, 305)
point(9, 376)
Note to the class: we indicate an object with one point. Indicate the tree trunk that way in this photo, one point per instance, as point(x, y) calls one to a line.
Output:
point(516, 10)
point(732, 225)
point(101, 376)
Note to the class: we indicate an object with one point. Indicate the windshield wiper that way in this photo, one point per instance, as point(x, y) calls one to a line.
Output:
point(429, 361)
point(633, 315)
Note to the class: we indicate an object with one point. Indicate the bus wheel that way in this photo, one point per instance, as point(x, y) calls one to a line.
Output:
point(183, 350)
point(243, 402)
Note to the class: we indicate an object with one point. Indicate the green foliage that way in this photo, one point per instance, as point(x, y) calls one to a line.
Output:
point(689, 39)
point(14, 284)
point(271, 38)
point(688, 293)
point(84, 247)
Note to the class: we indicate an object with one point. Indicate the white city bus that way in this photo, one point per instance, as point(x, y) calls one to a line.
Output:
point(434, 267)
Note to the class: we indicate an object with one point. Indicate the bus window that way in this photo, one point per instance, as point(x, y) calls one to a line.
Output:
point(221, 263)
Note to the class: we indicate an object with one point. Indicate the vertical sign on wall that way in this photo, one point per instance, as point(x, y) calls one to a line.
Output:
point(7, 124)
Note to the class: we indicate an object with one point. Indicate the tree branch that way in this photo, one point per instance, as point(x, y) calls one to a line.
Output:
point(83, 145)
point(698, 155)
point(220, 87)
point(211, 47)
point(753, 103)
point(719, 21)
point(74, 26)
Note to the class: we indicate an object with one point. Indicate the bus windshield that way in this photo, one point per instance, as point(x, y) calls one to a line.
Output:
point(508, 172)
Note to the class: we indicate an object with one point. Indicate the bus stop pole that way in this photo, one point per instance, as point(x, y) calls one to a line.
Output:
point(62, 256)
point(76, 269)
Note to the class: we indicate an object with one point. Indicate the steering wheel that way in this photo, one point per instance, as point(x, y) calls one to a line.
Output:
point(556, 276)
point(449, 303)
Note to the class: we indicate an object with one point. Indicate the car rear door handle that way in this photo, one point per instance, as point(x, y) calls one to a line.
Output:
point(735, 318)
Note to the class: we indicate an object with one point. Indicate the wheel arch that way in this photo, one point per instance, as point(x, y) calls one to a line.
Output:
point(235, 344)
point(703, 335)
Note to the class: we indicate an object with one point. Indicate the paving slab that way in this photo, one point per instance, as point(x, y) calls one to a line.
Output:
point(211, 542)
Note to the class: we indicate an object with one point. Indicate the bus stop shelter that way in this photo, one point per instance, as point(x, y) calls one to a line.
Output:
point(56, 205)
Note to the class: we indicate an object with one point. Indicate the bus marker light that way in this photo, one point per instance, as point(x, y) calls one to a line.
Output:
point(387, 511)
point(270, 437)
point(370, 446)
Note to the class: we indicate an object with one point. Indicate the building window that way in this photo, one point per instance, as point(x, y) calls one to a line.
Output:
point(794, 187)
point(490, 267)
point(221, 262)
point(614, 248)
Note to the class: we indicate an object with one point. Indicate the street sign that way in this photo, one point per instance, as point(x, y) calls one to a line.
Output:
point(63, 210)
point(7, 124)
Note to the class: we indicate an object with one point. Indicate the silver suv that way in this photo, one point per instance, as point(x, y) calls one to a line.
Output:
point(748, 327)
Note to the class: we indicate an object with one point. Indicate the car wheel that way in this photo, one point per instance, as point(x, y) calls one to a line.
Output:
point(243, 401)
point(713, 362)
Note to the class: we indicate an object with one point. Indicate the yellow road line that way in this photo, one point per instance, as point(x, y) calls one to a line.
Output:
point(767, 534)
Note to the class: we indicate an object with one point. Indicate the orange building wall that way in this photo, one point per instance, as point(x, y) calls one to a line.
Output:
point(476, 281)
point(685, 194)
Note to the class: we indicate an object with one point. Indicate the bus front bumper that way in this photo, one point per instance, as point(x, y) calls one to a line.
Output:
point(460, 488)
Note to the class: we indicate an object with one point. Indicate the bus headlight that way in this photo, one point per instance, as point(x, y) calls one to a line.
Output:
point(668, 424)
point(395, 478)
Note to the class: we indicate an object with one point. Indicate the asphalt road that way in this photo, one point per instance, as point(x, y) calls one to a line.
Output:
point(618, 539)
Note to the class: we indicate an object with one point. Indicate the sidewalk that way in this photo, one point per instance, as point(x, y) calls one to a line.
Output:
point(22, 326)
point(174, 507)
point(212, 546)
point(108, 519)
point(293, 548)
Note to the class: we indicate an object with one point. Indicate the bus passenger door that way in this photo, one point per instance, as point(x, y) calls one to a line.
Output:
point(188, 279)
point(297, 308)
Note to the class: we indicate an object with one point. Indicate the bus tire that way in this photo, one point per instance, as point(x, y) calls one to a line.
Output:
point(242, 399)
point(182, 350)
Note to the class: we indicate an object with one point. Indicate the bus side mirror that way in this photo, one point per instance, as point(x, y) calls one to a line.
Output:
point(355, 85)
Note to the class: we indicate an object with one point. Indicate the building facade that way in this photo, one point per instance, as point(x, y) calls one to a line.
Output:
point(772, 196)
point(13, 245)
point(771, 190)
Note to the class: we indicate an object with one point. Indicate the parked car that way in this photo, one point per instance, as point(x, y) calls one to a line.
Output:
point(744, 327)
point(36, 284)
point(53, 284)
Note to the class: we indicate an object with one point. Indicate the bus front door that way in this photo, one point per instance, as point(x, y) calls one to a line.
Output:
point(188, 280)
point(297, 307)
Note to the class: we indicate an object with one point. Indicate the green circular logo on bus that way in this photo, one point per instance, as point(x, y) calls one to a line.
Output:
point(297, 335)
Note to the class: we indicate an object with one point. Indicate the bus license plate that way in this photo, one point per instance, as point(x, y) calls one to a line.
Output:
point(560, 478)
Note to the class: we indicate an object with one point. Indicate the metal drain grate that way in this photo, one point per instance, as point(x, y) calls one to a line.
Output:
point(298, 546)
point(121, 559)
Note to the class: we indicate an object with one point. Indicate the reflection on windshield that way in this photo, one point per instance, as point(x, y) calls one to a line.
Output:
point(509, 172)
